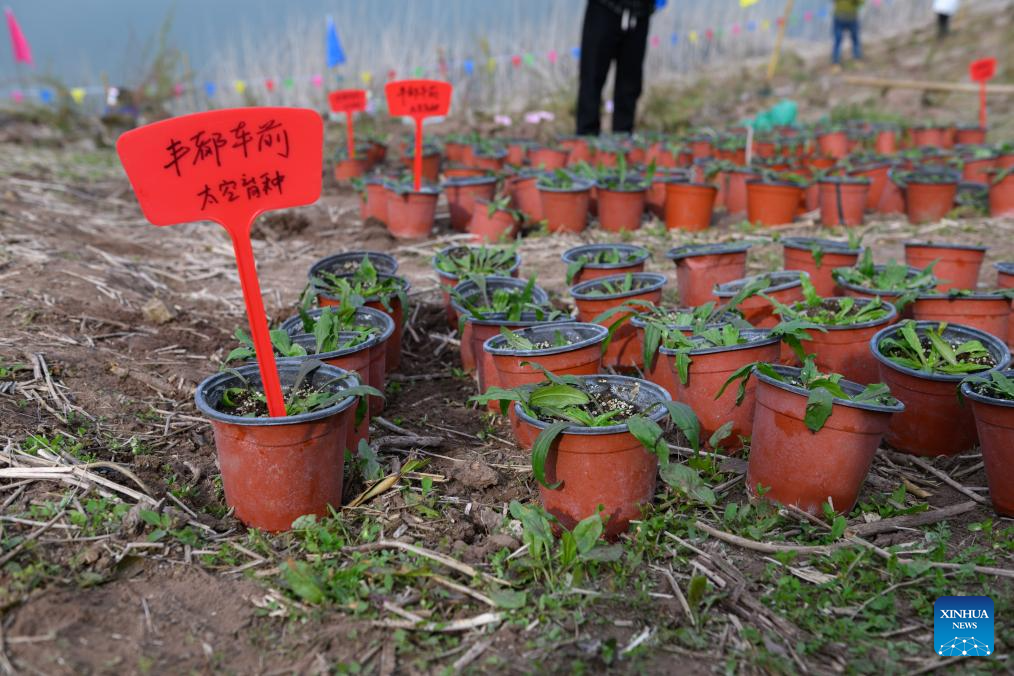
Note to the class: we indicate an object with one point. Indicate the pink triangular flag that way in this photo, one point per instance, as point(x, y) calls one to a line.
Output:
point(22, 52)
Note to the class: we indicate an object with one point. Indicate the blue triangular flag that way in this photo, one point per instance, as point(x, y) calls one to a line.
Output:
point(335, 53)
point(46, 95)
point(469, 66)
point(575, 52)
point(209, 89)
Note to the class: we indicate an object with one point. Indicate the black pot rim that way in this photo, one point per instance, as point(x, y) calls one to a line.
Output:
point(1006, 267)
point(405, 284)
point(845, 385)
point(764, 338)
point(889, 317)
point(657, 281)
point(656, 415)
point(580, 185)
point(463, 181)
point(450, 275)
point(334, 354)
point(326, 262)
point(570, 255)
point(969, 393)
point(720, 292)
point(693, 250)
point(831, 245)
point(844, 180)
point(539, 295)
point(945, 245)
point(386, 320)
point(989, 341)
point(638, 321)
point(599, 335)
point(676, 180)
point(204, 405)
point(889, 293)
point(984, 295)
point(775, 184)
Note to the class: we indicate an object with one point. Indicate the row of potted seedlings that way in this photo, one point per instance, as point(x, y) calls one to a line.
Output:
point(339, 352)
point(493, 189)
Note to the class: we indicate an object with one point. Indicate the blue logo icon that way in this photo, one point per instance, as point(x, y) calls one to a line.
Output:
point(963, 626)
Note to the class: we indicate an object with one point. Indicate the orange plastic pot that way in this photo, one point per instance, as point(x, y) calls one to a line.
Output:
point(894, 297)
point(582, 356)
point(546, 158)
point(772, 203)
point(448, 281)
point(735, 190)
point(892, 199)
point(487, 228)
point(797, 254)
point(806, 469)
point(846, 349)
point(661, 372)
point(934, 421)
point(392, 308)
point(957, 265)
point(430, 166)
point(886, 142)
point(578, 149)
point(525, 195)
point(478, 331)
point(410, 214)
point(565, 210)
point(492, 162)
point(600, 466)
point(929, 202)
point(834, 144)
point(842, 201)
point(1005, 280)
point(348, 262)
point(454, 151)
point(620, 210)
point(994, 421)
point(365, 317)
point(655, 199)
point(709, 369)
point(623, 350)
point(633, 260)
point(984, 311)
point(275, 470)
point(928, 136)
point(977, 171)
point(375, 204)
point(471, 345)
point(877, 176)
point(970, 136)
point(516, 153)
point(702, 267)
point(376, 153)
point(1001, 197)
point(349, 168)
point(461, 196)
point(701, 148)
point(689, 206)
point(606, 158)
point(786, 287)
point(355, 360)
point(464, 172)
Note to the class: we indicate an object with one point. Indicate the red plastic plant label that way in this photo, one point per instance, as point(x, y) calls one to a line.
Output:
point(982, 70)
point(348, 101)
point(418, 99)
point(226, 166)
point(229, 166)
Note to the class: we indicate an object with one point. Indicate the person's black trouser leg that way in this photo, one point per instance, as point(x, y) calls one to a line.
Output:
point(942, 25)
point(629, 75)
point(600, 38)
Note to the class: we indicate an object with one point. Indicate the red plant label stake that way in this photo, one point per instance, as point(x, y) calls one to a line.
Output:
point(418, 99)
point(982, 71)
point(229, 166)
point(348, 101)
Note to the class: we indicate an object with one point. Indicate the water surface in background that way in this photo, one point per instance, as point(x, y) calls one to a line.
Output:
point(78, 40)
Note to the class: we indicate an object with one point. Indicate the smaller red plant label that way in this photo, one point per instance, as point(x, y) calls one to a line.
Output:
point(982, 70)
point(418, 98)
point(347, 100)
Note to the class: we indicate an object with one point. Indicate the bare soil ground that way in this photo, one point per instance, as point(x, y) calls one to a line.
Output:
point(126, 558)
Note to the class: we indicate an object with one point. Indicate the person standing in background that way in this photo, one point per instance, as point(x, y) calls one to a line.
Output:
point(944, 9)
point(846, 20)
point(613, 30)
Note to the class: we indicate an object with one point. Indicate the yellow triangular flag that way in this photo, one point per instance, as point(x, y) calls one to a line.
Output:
point(491, 64)
point(366, 76)
point(693, 37)
point(765, 24)
point(78, 94)
point(747, 3)
point(239, 86)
